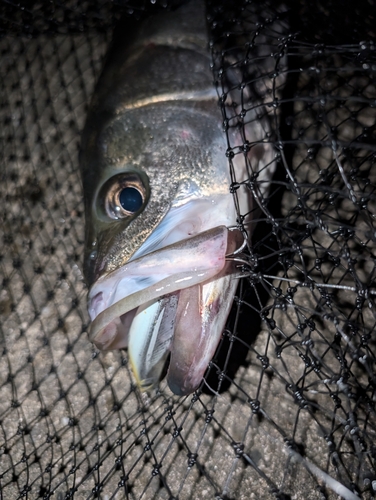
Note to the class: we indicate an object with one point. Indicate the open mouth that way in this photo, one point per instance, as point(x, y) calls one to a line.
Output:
point(173, 301)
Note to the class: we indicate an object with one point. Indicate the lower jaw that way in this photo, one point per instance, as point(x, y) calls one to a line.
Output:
point(185, 324)
point(185, 327)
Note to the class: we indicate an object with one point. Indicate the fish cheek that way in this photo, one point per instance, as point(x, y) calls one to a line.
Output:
point(118, 244)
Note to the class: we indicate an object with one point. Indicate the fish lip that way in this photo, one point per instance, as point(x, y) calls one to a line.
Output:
point(199, 330)
point(97, 299)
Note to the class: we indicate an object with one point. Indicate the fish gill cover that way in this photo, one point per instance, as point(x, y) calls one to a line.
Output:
point(288, 406)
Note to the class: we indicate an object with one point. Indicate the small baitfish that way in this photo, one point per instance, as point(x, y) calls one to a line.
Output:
point(158, 208)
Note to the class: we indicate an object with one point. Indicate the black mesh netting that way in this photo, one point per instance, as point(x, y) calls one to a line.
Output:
point(288, 409)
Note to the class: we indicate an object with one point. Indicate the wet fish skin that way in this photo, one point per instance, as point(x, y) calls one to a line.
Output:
point(155, 125)
point(126, 129)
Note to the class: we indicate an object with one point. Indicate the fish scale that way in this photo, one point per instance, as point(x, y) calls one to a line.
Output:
point(165, 141)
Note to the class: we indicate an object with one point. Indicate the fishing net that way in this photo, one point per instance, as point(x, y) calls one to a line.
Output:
point(287, 410)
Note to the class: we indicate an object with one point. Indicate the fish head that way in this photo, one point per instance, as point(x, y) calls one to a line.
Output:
point(157, 210)
point(140, 165)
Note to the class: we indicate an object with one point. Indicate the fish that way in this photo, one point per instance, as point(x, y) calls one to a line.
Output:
point(162, 230)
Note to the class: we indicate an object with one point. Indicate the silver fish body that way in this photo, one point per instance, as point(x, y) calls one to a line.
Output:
point(157, 201)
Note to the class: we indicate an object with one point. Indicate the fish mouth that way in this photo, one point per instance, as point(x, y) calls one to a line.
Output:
point(170, 302)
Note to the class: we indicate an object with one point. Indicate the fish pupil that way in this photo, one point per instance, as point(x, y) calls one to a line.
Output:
point(130, 199)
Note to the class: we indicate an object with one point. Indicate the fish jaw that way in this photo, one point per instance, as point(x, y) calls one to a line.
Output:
point(201, 316)
point(187, 325)
point(164, 271)
point(152, 321)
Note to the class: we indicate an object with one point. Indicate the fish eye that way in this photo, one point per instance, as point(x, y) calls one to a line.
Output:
point(130, 199)
point(123, 195)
